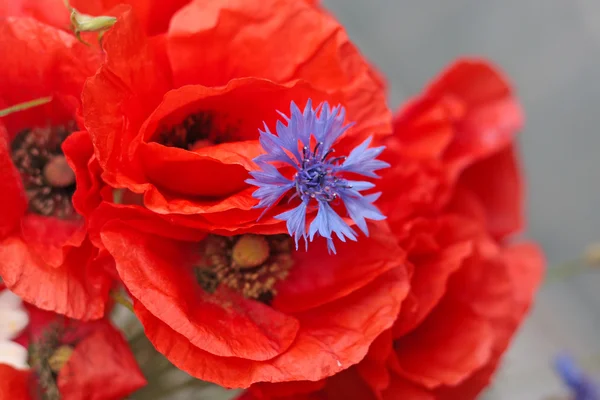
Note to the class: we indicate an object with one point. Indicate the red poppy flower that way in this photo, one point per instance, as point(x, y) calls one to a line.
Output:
point(219, 299)
point(178, 123)
point(469, 288)
point(480, 287)
point(42, 237)
point(467, 115)
point(68, 359)
point(240, 309)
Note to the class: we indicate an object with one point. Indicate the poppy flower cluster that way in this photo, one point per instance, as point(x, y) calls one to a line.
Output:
point(234, 167)
point(48, 356)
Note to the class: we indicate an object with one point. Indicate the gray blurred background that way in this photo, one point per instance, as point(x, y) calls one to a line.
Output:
point(551, 51)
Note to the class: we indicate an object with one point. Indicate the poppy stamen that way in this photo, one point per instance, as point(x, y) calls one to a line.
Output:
point(41, 353)
point(48, 180)
point(60, 357)
point(249, 264)
point(198, 130)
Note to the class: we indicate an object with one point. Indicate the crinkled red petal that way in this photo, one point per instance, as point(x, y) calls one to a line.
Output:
point(330, 339)
point(101, 368)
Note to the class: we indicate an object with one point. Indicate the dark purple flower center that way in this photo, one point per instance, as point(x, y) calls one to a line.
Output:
point(316, 177)
point(201, 129)
point(48, 180)
point(249, 264)
point(47, 355)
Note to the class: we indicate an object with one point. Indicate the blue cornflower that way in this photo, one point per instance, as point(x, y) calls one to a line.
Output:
point(319, 179)
point(582, 386)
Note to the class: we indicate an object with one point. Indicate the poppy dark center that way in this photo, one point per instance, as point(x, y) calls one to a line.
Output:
point(48, 180)
point(47, 356)
point(249, 264)
point(197, 130)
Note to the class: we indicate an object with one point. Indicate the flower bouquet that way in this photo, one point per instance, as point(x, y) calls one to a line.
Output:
point(230, 173)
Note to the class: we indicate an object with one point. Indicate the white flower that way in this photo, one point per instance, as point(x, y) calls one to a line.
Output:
point(13, 354)
point(13, 319)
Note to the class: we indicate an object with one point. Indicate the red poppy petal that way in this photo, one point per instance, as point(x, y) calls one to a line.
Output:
point(113, 118)
point(14, 384)
point(525, 263)
point(255, 32)
point(446, 348)
point(247, 395)
point(431, 356)
point(348, 385)
point(284, 389)
point(233, 39)
point(51, 238)
point(474, 81)
point(164, 167)
point(220, 222)
point(51, 12)
point(79, 151)
point(497, 184)
point(154, 15)
point(402, 389)
point(373, 369)
point(466, 204)
point(151, 278)
point(411, 188)
point(451, 243)
point(101, 357)
point(207, 214)
point(492, 115)
point(260, 35)
point(76, 289)
point(142, 220)
point(319, 277)
point(13, 195)
point(424, 127)
point(483, 291)
point(331, 338)
point(257, 102)
point(61, 66)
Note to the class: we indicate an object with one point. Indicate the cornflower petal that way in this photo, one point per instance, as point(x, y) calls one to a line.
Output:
point(319, 177)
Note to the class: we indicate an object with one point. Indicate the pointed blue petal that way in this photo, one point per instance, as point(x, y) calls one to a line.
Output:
point(361, 208)
point(275, 149)
point(328, 221)
point(359, 186)
point(330, 247)
point(362, 160)
point(295, 222)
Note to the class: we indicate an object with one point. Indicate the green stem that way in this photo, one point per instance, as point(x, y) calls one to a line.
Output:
point(160, 366)
point(567, 270)
point(118, 297)
point(138, 341)
point(167, 391)
point(24, 106)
